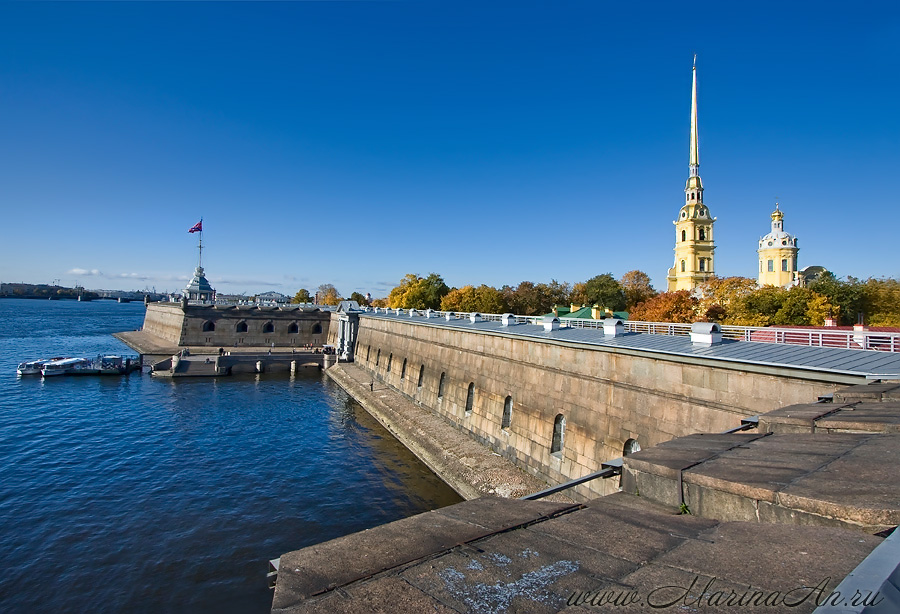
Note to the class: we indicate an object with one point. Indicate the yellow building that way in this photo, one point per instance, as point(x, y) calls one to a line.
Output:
point(694, 245)
point(778, 255)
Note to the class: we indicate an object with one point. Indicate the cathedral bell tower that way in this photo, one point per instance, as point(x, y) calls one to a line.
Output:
point(694, 244)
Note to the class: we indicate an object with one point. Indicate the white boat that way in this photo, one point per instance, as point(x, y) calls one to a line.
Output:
point(33, 367)
point(110, 364)
point(65, 366)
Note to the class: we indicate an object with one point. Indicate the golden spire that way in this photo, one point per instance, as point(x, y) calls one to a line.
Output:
point(695, 148)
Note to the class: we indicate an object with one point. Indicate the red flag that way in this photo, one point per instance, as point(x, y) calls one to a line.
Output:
point(198, 227)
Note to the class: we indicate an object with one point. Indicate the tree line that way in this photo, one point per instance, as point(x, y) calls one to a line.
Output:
point(729, 300)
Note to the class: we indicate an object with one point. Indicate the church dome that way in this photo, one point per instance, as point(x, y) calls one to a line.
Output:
point(777, 237)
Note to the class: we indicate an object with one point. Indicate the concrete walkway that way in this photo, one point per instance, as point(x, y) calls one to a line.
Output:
point(497, 555)
point(468, 467)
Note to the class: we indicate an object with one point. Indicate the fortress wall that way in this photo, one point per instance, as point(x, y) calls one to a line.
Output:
point(170, 322)
point(164, 320)
point(607, 396)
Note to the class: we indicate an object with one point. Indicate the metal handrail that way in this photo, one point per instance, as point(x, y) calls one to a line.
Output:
point(855, 339)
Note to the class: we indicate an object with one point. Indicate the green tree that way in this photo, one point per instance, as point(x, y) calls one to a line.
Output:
point(637, 288)
point(757, 308)
point(604, 291)
point(719, 295)
point(881, 301)
point(845, 297)
point(531, 299)
point(359, 298)
point(302, 296)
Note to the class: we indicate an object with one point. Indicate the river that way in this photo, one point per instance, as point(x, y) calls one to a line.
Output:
point(136, 494)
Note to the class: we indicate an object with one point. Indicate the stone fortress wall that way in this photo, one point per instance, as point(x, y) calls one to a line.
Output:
point(604, 400)
point(237, 325)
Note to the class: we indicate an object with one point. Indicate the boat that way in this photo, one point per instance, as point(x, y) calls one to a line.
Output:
point(66, 366)
point(110, 364)
point(33, 367)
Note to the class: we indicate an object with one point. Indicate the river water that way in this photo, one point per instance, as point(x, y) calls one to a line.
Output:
point(138, 494)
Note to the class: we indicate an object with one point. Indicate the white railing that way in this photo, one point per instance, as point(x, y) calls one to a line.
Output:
point(847, 339)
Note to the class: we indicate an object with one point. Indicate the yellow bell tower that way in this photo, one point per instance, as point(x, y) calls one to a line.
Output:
point(778, 255)
point(694, 245)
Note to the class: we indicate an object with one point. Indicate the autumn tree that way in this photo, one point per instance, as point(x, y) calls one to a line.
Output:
point(637, 288)
point(302, 296)
point(717, 295)
point(328, 294)
point(416, 292)
point(483, 299)
point(678, 306)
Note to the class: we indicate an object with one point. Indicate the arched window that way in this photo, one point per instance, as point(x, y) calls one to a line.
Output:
point(470, 398)
point(390, 360)
point(507, 413)
point(209, 326)
point(682, 266)
point(241, 327)
point(631, 446)
point(403, 370)
point(421, 376)
point(559, 435)
point(703, 264)
point(268, 327)
point(441, 386)
point(684, 235)
point(317, 329)
point(703, 234)
point(293, 328)
point(378, 357)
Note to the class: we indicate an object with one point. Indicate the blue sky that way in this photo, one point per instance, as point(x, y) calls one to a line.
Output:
point(354, 142)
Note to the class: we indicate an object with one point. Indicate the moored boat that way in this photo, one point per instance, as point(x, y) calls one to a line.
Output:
point(33, 367)
point(66, 366)
point(110, 364)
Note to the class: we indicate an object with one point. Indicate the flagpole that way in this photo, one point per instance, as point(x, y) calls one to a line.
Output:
point(200, 246)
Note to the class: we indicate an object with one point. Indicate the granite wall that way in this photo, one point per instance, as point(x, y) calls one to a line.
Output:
point(603, 400)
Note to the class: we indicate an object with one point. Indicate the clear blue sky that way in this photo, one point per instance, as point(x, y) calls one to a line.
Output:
point(353, 142)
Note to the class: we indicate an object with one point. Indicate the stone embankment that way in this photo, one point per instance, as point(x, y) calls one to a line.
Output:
point(471, 469)
point(772, 521)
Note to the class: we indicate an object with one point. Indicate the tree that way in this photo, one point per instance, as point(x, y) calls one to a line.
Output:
point(416, 292)
point(359, 298)
point(483, 299)
point(529, 299)
point(603, 291)
point(302, 296)
point(678, 306)
point(757, 308)
point(845, 297)
point(329, 295)
point(637, 288)
point(718, 295)
point(881, 301)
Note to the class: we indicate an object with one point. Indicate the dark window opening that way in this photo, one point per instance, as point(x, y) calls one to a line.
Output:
point(441, 386)
point(268, 327)
point(390, 360)
point(507, 413)
point(208, 326)
point(470, 398)
point(403, 370)
point(241, 327)
point(293, 328)
point(559, 434)
point(317, 329)
point(421, 376)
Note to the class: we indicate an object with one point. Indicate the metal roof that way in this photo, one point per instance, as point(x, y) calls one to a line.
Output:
point(824, 359)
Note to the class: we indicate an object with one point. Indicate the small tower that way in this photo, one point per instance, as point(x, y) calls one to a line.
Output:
point(694, 245)
point(778, 255)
